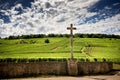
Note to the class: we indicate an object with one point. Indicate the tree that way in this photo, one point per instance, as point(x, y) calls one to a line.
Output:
point(47, 41)
point(51, 35)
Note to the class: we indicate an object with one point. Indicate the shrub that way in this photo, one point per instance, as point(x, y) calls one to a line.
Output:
point(82, 59)
point(11, 60)
point(39, 59)
point(22, 42)
point(95, 59)
point(32, 42)
point(59, 59)
point(44, 59)
point(2, 60)
point(87, 60)
point(104, 60)
point(32, 60)
point(64, 59)
point(22, 60)
point(52, 59)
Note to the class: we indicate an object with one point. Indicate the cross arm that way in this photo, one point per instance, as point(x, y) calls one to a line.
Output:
point(71, 28)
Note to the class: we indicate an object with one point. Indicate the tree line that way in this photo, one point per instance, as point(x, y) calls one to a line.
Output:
point(78, 35)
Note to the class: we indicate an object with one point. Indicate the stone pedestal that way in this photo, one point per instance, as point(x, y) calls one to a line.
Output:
point(72, 67)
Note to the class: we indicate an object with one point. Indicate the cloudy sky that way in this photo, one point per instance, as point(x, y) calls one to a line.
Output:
point(19, 17)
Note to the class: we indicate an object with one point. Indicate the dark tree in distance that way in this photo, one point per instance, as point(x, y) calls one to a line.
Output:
point(47, 41)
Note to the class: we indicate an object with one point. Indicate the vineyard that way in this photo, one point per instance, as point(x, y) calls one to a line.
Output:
point(37, 49)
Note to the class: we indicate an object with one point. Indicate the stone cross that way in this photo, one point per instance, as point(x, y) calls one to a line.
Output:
point(71, 28)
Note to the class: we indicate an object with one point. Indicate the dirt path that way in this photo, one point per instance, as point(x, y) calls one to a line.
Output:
point(86, 51)
point(56, 48)
point(100, 77)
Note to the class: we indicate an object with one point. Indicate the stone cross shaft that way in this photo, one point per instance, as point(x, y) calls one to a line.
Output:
point(71, 28)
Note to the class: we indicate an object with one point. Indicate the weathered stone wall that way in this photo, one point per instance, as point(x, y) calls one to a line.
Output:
point(94, 67)
point(52, 68)
point(33, 68)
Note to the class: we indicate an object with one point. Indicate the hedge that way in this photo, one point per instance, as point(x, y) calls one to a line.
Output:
point(27, 60)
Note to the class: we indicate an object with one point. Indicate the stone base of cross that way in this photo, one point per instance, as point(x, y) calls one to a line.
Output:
point(71, 28)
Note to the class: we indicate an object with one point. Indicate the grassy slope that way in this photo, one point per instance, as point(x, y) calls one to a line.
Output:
point(60, 47)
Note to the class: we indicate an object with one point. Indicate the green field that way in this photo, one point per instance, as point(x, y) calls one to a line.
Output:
point(87, 48)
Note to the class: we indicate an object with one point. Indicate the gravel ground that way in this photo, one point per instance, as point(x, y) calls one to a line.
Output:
point(98, 77)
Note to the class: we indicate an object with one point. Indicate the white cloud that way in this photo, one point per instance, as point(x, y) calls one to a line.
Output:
point(110, 24)
point(55, 19)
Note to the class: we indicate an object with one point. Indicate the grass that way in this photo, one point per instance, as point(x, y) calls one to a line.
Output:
point(86, 48)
